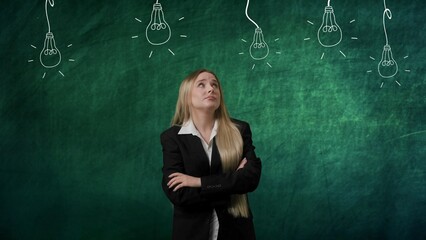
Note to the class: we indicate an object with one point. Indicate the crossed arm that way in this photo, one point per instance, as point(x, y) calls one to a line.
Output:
point(180, 180)
point(186, 190)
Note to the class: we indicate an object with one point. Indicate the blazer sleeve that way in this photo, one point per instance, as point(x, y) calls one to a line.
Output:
point(241, 181)
point(172, 163)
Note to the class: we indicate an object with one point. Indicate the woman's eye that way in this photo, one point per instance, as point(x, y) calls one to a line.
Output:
point(201, 85)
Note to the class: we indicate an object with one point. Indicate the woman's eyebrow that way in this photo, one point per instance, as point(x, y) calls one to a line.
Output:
point(204, 79)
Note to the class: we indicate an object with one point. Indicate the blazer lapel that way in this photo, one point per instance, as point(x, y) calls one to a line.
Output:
point(216, 165)
point(194, 146)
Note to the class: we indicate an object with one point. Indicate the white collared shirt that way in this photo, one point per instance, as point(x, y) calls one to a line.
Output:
point(189, 128)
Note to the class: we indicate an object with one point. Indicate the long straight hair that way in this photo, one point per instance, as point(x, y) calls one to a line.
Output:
point(228, 138)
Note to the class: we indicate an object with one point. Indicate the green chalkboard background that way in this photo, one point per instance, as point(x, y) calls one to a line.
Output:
point(343, 149)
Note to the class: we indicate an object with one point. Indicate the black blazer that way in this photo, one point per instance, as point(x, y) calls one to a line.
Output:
point(193, 206)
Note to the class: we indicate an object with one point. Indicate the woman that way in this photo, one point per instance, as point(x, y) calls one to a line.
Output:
point(209, 164)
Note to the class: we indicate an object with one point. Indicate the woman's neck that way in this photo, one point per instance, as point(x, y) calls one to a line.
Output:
point(204, 123)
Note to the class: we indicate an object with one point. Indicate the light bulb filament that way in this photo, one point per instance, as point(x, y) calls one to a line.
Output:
point(49, 45)
point(387, 57)
point(158, 16)
point(259, 41)
point(330, 21)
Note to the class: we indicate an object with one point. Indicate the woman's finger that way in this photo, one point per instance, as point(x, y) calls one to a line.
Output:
point(242, 163)
point(173, 182)
point(173, 178)
point(176, 174)
point(170, 183)
point(177, 187)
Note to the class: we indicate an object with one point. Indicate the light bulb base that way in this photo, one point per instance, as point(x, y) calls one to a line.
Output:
point(387, 47)
point(328, 9)
point(157, 6)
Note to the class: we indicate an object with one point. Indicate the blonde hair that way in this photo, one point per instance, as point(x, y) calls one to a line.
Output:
point(228, 138)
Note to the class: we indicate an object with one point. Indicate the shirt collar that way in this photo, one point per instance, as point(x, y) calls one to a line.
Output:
point(188, 127)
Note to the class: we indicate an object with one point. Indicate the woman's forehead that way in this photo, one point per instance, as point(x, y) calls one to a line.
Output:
point(206, 76)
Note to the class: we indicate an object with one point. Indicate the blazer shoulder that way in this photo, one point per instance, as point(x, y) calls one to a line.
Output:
point(240, 124)
point(170, 132)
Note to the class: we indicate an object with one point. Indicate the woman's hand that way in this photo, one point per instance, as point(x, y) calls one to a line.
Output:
point(179, 180)
point(242, 164)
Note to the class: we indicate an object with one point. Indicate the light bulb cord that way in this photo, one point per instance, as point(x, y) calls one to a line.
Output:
point(248, 2)
point(156, 1)
point(328, 3)
point(52, 3)
point(388, 14)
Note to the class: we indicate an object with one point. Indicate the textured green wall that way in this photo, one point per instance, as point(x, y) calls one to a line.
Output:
point(343, 149)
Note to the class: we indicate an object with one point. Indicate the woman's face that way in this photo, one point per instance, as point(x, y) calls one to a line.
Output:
point(205, 93)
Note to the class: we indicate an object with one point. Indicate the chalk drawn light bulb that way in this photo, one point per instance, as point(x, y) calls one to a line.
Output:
point(50, 56)
point(387, 66)
point(158, 32)
point(259, 48)
point(329, 34)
